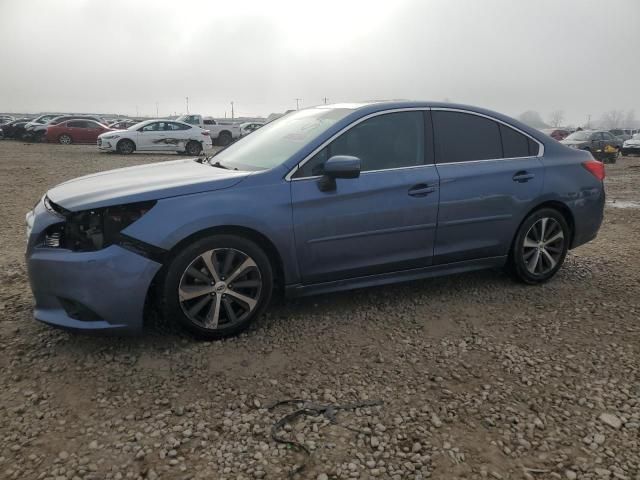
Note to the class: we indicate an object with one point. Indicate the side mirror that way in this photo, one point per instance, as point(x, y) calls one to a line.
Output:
point(338, 166)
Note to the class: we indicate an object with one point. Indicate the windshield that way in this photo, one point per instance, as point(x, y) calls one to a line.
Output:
point(276, 142)
point(579, 136)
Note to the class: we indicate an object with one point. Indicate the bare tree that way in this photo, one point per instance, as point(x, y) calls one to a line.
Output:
point(532, 118)
point(612, 119)
point(630, 119)
point(556, 118)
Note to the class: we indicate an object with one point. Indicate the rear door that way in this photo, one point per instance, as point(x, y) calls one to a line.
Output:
point(77, 130)
point(92, 131)
point(381, 222)
point(490, 176)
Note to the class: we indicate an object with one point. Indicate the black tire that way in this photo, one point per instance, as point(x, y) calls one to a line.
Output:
point(125, 147)
point(193, 148)
point(224, 138)
point(175, 308)
point(521, 268)
point(65, 139)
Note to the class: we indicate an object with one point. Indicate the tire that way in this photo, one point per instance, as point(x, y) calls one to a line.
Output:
point(201, 301)
point(193, 148)
point(65, 139)
point(549, 256)
point(224, 139)
point(125, 147)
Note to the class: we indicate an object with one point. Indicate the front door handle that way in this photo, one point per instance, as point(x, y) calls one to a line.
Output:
point(523, 176)
point(421, 190)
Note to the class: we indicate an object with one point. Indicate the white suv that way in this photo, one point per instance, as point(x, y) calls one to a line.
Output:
point(157, 136)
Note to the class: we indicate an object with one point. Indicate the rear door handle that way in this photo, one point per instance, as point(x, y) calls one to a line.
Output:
point(421, 190)
point(523, 176)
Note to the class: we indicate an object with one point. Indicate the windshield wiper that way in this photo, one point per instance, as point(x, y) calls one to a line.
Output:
point(219, 165)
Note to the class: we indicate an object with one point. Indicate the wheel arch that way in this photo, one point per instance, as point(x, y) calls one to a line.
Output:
point(135, 147)
point(257, 237)
point(557, 205)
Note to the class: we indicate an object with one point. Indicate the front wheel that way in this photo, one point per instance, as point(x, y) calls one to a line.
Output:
point(540, 246)
point(125, 147)
point(65, 139)
point(216, 286)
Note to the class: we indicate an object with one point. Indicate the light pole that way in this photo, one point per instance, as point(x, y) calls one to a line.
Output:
point(232, 112)
point(187, 98)
point(325, 100)
point(157, 114)
point(298, 100)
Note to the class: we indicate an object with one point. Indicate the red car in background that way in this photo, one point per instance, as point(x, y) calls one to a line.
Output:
point(556, 133)
point(75, 131)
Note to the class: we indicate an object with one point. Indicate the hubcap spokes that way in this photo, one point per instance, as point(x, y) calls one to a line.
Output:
point(219, 288)
point(543, 246)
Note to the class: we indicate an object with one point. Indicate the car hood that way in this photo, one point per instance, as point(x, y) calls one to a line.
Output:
point(632, 142)
point(574, 142)
point(142, 183)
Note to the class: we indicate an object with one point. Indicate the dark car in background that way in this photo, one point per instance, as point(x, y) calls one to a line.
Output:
point(622, 134)
point(556, 133)
point(15, 129)
point(602, 144)
point(75, 131)
point(123, 124)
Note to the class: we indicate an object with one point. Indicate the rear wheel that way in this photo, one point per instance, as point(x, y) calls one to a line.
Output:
point(193, 148)
point(224, 139)
point(216, 286)
point(125, 147)
point(540, 246)
point(65, 139)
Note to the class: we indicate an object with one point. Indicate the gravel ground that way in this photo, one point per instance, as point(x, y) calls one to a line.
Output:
point(480, 377)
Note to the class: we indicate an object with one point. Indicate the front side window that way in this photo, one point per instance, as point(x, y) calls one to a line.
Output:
point(462, 137)
point(392, 140)
point(77, 124)
point(152, 127)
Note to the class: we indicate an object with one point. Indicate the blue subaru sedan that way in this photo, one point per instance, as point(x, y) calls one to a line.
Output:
point(323, 199)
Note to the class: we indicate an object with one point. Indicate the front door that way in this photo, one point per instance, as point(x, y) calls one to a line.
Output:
point(383, 221)
point(152, 137)
point(490, 177)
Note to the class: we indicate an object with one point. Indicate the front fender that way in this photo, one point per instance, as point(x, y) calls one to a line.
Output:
point(173, 219)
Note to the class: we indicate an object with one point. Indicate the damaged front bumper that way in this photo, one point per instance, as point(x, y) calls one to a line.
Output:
point(99, 291)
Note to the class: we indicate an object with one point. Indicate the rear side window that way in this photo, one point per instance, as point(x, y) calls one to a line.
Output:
point(77, 124)
point(462, 137)
point(534, 148)
point(514, 144)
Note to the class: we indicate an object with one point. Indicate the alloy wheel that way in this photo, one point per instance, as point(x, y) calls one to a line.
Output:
point(543, 246)
point(220, 288)
point(65, 139)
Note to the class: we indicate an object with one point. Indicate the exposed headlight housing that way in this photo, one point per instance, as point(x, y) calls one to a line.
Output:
point(91, 230)
point(111, 137)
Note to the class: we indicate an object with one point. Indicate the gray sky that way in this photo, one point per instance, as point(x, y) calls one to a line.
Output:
point(581, 56)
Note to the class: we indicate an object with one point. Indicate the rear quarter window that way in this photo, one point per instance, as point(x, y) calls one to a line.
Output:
point(462, 137)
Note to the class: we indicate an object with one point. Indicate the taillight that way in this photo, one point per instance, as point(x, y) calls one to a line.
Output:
point(595, 167)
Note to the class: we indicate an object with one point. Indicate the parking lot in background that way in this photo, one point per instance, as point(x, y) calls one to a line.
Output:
point(479, 376)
